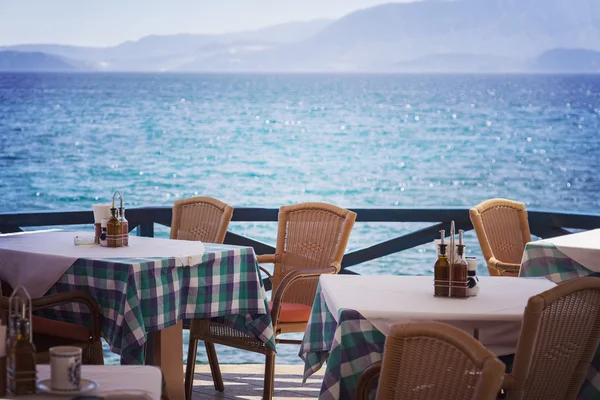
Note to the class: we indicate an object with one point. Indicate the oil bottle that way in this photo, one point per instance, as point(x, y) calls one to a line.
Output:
point(441, 270)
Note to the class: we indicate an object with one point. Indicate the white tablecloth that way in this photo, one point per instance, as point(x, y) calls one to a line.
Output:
point(114, 382)
point(583, 248)
point(37, 260)
point(386, 300)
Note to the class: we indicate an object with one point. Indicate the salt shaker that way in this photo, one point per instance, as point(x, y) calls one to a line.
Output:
point(472, 280)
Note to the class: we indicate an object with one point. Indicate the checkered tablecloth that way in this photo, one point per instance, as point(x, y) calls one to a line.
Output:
point(544, 259)
point(137, 296)
point(349, 345)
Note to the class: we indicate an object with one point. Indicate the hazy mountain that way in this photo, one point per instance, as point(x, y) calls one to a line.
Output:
point(34, 61)
point(429, 35)
point(402, 32)
point(153, 53)
point(567, 60)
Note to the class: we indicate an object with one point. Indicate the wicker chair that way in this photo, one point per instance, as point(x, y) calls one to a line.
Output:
point(205, 219)
point(311, 240)
point(503, 231)
point(559, 337)
point(48, 333)
point(432, 360)
point(200, 218)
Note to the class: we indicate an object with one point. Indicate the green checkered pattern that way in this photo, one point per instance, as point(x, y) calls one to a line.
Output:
point(137, 296)
point(349, 345)
point(544, 259)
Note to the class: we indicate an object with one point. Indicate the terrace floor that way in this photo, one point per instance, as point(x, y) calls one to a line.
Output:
point(245, 381)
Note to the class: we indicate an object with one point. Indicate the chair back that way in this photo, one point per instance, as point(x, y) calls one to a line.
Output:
point(559, 337)
point(433, 360)
point(502, 229)
point(200, 218)
point(309, 236)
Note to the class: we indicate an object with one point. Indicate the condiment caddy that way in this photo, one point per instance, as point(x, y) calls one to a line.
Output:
point(114, 231)
point(454, 275)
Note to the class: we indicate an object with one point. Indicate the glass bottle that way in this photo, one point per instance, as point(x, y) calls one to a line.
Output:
point(441, 270)
point(124, 226)
point(22, 366)
point(113, 229)
point(459, 269)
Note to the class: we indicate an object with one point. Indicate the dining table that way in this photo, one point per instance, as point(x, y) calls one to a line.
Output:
point(145, 291)
point(110, 382)
point(561, 259)
point(352, 315)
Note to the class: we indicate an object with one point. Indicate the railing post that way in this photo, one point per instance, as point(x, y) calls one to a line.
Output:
point(146, 229)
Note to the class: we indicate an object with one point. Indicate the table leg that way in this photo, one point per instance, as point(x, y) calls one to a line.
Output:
point(167, 349)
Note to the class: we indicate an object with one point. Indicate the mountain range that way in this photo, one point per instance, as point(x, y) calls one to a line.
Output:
point(423, 36)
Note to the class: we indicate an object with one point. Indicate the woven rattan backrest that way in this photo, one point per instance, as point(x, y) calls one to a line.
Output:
point(309, 236)
point(502, 229)
point(200, 218)
point(560, 335)
point(432, 360)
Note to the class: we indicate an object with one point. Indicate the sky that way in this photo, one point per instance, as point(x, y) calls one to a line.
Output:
point(110, 22)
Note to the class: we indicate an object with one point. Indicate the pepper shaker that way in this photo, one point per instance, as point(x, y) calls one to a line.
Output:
point(472, 280)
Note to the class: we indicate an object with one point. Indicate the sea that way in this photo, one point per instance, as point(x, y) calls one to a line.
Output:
point(68, 141)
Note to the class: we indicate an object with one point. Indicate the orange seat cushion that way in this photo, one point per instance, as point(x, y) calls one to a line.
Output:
point(293, 312)
point(65, 330)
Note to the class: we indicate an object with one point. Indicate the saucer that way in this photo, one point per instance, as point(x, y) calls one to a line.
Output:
point(86, 386)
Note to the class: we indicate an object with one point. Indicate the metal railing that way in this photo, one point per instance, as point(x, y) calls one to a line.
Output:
point(544, 224)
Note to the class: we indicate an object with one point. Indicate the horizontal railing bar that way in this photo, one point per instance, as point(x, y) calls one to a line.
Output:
point(547, 232)
point(10, 229)
point(162, 215)
point(560, 219)
point(47, 218)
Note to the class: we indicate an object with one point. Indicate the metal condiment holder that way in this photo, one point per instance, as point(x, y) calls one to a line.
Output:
point(120, 238)
point(451, 252)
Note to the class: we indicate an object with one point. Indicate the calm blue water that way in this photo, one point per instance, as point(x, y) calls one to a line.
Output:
point(68, 141)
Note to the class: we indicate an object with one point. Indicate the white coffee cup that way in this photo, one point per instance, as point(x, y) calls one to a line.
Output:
point(65, 368)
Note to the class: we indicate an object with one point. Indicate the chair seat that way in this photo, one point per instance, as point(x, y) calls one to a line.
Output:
point(65, 330)
point(293, 312)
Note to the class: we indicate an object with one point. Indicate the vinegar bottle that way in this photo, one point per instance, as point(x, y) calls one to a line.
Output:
point(124, 226)
point(459, 270)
